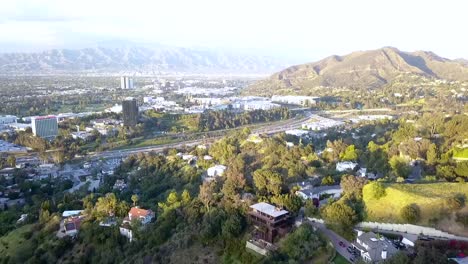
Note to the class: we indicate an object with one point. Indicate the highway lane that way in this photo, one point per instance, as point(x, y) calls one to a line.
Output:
point(268, 129)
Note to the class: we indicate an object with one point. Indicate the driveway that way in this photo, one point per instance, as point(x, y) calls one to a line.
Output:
point(335, 240)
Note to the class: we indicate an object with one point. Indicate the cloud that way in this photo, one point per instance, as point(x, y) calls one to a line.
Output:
point(310, 27)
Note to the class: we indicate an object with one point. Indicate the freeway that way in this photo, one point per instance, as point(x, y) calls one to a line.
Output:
point(276, 127)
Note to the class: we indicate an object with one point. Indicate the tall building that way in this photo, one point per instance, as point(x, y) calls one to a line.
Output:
point(130, 111)
point(126, 82)
point(269, 221)
point(44, 126)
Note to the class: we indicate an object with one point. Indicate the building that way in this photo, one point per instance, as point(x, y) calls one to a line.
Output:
point(373, 248)
point(71, 225)
point(7, 119)
point(294, 99)
point(126, 82)
point(130, 111)
point(142, 215)
point(296, 132)
point(269, 221)
point(135, 214)
point(345, 166)
point(318, 123)
point(217, 170)
point(334, 191)
point(44, 126)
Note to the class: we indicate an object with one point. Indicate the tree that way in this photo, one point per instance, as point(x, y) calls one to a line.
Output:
point(430, 255)
point(310, 210)
point(398, 258)
point(446, 171)
point(456, 202)
point(301, 244)
point(268, 182)
point(400, 167)
point(11, 161)
point(328, 180)
point(352, 185)
point(377, 190)
point(233, 227)
point(462, 169)
point(431, 154)
point(350, 154)
point(106, 206)
point(340, 216)
point(207, 195)
point(58, 156)
point(410, 213)
point(291, 202)
point(186, 197)
point(135, 199)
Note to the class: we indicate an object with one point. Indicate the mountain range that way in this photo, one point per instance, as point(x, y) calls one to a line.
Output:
point(154, 60)
point(362, 69)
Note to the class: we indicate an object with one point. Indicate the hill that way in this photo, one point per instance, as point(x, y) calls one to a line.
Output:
point(431, 199)
point(362, 69)
point(152, 60)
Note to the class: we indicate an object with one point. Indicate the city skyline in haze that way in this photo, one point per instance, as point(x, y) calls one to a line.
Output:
point(308, 29)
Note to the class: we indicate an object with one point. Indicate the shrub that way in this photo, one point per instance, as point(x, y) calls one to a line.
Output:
point(455, 203)
point(462, 218)
point(377, 190)
point(410, 213)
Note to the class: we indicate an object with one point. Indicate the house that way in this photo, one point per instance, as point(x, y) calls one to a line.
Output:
point(126, 231)
point(72, 225)
point(334, 191)
point(71, 213)
point(142, 215)
point(296, 132)
point(345, 166)
point(374, 248)
point(362, 172)
point(187, 157)
point(135, 214)
point(207, 157)
point(269, 221)
point(217, 170)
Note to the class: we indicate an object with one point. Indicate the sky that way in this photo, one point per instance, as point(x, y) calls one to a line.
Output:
point(294, 28)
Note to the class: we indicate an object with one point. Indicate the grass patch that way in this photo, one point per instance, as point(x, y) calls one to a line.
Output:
point(16, 243)
point(340, 259)
point(429, 197)
point(459, 153)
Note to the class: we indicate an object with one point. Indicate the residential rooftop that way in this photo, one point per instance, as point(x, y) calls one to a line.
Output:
point(268, 209)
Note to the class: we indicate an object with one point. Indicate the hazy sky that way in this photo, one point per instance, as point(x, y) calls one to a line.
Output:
point(311, 29)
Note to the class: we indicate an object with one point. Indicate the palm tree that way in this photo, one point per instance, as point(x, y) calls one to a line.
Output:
point(135, 199)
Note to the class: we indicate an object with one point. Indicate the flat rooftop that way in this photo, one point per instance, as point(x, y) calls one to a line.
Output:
point(268, 209)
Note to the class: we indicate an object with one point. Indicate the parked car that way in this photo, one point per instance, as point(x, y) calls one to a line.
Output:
point(342, 244)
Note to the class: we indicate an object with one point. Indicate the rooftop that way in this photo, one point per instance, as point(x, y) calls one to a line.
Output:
point(268, 209)
point(44, 117)
point(138, 212)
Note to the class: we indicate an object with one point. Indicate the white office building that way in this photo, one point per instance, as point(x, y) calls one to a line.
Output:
point(44, 126)
point(294, 99)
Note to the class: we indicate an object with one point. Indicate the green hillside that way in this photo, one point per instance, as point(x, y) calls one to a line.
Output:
point(429, 197)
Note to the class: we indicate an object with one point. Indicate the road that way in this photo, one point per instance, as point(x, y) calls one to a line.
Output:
point(335, 240)
point(268, 129)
